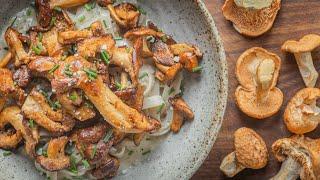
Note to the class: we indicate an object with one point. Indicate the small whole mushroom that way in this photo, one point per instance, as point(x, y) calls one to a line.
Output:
point(251, 18)
point(302, 52)
point(250, 152)
point(299, 156)
point(302, 114)
point(257, 71)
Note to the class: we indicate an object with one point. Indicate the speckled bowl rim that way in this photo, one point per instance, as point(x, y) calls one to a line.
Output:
point(222, 96)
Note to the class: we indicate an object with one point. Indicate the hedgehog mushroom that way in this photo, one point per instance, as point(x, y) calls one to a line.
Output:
point(257, 71)
point(302, 114)
point(299, 156)
point(302, 52)
point(126, 15)
point(251, 18)
point(250, 152)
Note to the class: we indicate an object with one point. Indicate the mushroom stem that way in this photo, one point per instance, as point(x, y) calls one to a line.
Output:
point(265, 73)
point(307, 69)
point(290, 170)
point(229, 166)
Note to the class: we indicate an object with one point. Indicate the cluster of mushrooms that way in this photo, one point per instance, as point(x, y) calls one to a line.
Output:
point(74, 68)
point(257, 71)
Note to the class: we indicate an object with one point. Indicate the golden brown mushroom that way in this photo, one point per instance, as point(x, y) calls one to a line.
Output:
point(66, 3)
point(5, 60)
point(56, 159)
point(181, 111)
point(302, 113)
point(302, 52)
point(299, 156)
point(250, 152)
point(143, 32)
point(257, 71)
point(126, 15)
point(91, 46)
point(36, 107)
point(83, 76)
point(16, 47)
point(251, 18)
point(12, 115)
point(168, 72)
point(74, 36)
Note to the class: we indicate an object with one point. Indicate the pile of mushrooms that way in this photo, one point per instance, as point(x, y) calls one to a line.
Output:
point(251, 18)
point(302, 51)
point(250, 152)
point(257, 71)
point(300, 157)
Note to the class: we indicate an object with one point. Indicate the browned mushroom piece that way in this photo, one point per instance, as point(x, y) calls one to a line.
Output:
point(56, 158)
point(91, 46)
point(84, 76)
point(36, 107)
point(12, 115)
point(16, 47)
point(6, 59)
point(105, 3)
point(22, 76)
point(302, 52)
point(162, 53)
point(74, 36)
point(8, 88)
point(251, 18)
point(168, 72)
point(126, 15)
point(45, 13)
point(300, 157)
point(181, 111)
point(257, 71)
point(302, 115)
point(67, 3)
point(143, 32)
point(40, 67)
point(250, 152)
point(51, 44)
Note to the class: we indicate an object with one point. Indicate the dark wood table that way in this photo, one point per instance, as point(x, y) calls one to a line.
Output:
point(295, 19)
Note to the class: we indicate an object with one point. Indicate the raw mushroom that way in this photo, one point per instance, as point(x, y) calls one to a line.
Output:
point(257, 71)
point(55, 159)
point(302, 52)
point(12, 115)
point(302, 114)
point(251, 19)
point(126, 15)
point(114, 111)
point(250, 152)
point(299, 156)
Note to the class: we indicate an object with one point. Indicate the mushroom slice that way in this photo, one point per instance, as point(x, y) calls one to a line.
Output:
point(91, 46)
point(67, 3)
point(250, 152)
point(42, 66)
point(302, 52)
point(126, 15)
point(36, 107)
point(16, 47)
point(162, 54)
point(12, 115)
point(248, 21)
point(299, 156)
point(168, 72)
point(70, 37)
point(8, 89)
point(5, 60)
point(114, 111)
point(142, 32)
point(257, 71)
point(45, 13)
point(107, 169)
point(181, 48)
point(56, 159)
point(302, 115)
point(181, 111)
point(50, 42)
point(105, 3)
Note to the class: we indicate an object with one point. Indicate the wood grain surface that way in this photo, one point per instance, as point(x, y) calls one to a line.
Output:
point(295, 19)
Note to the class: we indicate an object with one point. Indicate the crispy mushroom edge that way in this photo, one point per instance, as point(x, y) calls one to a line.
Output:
point(250, 152)
point(245, 19)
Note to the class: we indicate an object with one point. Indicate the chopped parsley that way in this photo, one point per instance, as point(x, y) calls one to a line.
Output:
point(73, 96)
point(31, 123)
point(54, 68)
point(92, 74)
point(58, 9)
point(53, 21)
point(142, 11)
point(73, 165)
point(105, 56)
point(145, 74)
point(197, 69)
point(119, 86)
point(37, 49)
point(108, 136)
point(82, 18)
point(94, 151)
point(90, 6)
point(6, 153)
point(118, 38)
point(159, 109)
point(67, 71)
point(146, 152)
point(85, 164)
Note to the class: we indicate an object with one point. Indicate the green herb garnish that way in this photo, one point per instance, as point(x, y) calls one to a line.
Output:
point(142, 11)
point(159, 109)
point(90, 6)
point(53, 21)
point(54, 68)
point(82, 18)
point(105, 56)
point(73, 96)
point(29, 12)
point(85, 164)
point(145, 74)
point(56, 105)
point(67, 71)
point(94, 151)
point(146, 152)
point(88, 105)
point(92, 74)
point(105, 24)
point(58, 9)
point(31, 123)
point(108, 136)
point(118, 38)
point(6, 153)
point(44, 153)
point(119, 86)
point(130, 152)
point(164, 38)
point(73, 165)
point(40, 36)
point(37, 49)
point(197, 69)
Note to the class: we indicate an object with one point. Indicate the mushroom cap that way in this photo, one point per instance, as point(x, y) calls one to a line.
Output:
point(294, 118)
point(251, 150)
point(248, 63)
point(247, 102)
point(306, 44)
point(304, 150)
point(248, 21)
